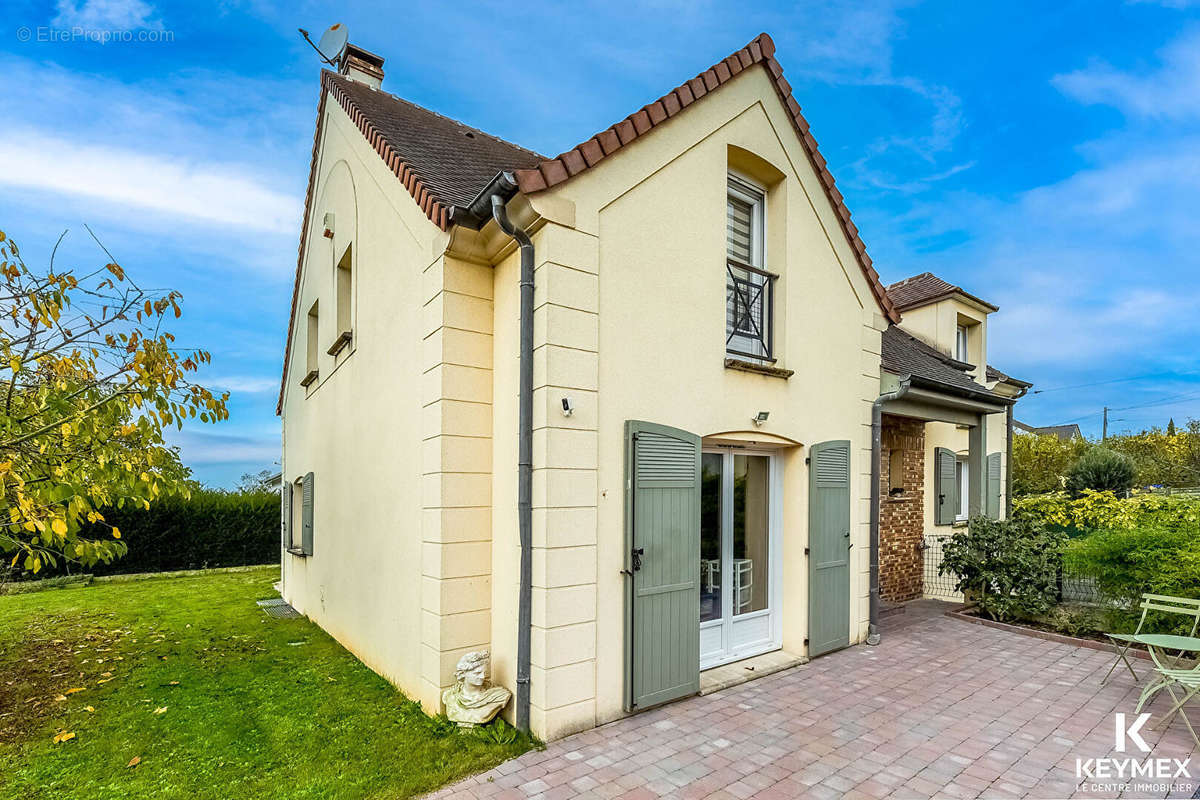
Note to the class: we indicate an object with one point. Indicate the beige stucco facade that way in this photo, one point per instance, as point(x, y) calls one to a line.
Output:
point(411, 432)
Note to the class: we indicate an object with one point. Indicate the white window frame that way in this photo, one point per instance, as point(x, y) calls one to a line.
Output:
point(732, 648)
point(755, 195)
point(962, 485)
point(751, 193)
point(962, 343)
point(296, 508)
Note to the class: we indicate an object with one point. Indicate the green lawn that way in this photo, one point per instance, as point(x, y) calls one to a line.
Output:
point(254, 707)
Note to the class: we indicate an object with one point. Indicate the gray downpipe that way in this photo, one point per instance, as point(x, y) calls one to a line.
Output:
point(876, 474)
point(524, 459)
point(1008, 478)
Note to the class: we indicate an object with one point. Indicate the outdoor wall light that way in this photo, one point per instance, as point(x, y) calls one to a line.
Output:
point(761, 417)
point(568, 407)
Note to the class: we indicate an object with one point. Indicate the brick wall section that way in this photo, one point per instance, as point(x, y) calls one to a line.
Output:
point(902, 517)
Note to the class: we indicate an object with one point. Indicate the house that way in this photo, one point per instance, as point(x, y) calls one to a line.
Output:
point(1064, 432)
point(620, 415)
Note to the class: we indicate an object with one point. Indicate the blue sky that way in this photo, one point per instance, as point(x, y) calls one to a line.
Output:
point(1044, 156)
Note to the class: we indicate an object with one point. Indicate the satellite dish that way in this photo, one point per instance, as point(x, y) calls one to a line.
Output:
point(332, 44)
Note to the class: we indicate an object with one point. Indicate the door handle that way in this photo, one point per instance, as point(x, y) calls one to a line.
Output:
point(849, 543)
point(637, 554)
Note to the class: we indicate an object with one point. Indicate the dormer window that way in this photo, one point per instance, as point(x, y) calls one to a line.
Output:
point(960, 345)
point(749, 287)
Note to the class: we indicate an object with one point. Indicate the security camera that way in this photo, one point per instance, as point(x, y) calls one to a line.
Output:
point(568, 407)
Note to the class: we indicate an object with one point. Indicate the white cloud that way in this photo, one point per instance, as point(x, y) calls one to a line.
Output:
point(848, 43)
point(107, 15)
point(248, 384)
point(214, 448)
point(1171, 92)
point(1178, 5)
point(206, 192)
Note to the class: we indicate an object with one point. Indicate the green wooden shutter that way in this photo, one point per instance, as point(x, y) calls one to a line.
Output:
point(285, 505)
point(829, 547)
point(306, 516)
point(944, 464)
point(993, 486)
point(663, 528)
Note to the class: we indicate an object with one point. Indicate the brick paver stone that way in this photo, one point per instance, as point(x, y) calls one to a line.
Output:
point(940, 708)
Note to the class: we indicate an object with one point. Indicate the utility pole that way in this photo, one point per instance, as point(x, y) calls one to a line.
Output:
point(1104, 435)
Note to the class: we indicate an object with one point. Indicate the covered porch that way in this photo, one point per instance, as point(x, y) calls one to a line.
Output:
point(943, 453)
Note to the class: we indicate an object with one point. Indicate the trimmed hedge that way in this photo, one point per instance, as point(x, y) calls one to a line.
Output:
point(1092, 511)
point(208, 529)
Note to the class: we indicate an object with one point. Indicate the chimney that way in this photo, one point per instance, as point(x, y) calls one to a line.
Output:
point(362, 66)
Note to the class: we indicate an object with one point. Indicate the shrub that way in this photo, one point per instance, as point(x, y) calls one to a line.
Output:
point(1103, 510)
point(208, 529)
point(1041, 463)
point(1128, 563)
point(1101, 470)
point(1008, 567)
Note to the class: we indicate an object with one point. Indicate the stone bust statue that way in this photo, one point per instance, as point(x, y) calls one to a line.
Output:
point(471, 701)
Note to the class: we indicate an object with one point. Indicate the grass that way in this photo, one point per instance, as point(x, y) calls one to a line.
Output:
point(216, 699)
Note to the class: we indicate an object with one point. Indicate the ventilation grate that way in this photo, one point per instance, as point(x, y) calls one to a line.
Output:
point(278, 608)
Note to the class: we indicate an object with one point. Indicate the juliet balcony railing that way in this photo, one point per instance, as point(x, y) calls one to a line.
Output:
point(749, 312)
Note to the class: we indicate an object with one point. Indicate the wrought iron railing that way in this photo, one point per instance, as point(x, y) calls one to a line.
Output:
point(749, 311)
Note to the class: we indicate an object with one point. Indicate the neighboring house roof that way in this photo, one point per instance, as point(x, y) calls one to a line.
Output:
point(926, 288)
point(444, 164)
point(1063, 432)
point(996, 375)
point(905, 354)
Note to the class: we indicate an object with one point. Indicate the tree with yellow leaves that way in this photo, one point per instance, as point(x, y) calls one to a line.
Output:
point(89, 380)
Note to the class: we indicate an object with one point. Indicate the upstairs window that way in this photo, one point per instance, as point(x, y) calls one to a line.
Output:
point(960, 344)
point(749, 287)
point(345, 294)
point(311, 352)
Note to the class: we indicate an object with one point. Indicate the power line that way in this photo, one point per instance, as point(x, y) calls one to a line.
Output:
point(1169, 400)
point(1115, 380)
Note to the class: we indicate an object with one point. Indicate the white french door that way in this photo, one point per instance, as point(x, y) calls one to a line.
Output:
point(739, 555)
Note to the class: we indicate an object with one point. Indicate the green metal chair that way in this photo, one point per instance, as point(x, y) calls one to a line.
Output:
point(1170, 678)
point(1183, 606)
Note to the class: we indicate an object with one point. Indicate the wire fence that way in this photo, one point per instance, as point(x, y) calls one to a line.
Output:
point(1073, 587)
point(938, 586)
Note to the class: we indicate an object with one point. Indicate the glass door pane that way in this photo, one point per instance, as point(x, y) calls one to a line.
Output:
point(710, 536)
point(748, 574)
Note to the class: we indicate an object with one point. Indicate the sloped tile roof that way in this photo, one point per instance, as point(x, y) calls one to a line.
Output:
point(994, 374)
point(452, 161)
point(920, 290)
point(760, 51)
point(445, 164)
point(905, 354)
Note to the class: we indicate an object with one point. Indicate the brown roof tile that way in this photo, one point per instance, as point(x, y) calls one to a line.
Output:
point(926, 288)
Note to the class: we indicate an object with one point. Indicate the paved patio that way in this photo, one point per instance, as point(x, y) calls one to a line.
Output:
point(941, 708)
